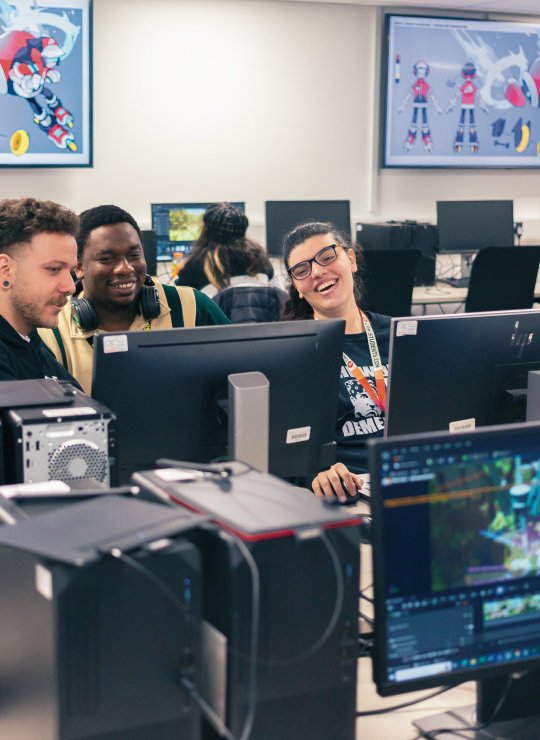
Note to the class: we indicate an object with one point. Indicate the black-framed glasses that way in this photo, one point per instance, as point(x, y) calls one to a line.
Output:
point(324, 256)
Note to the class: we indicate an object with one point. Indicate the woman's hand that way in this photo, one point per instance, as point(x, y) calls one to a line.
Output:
point(335, 480)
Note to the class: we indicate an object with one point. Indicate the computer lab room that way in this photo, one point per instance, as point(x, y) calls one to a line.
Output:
point(269, 369)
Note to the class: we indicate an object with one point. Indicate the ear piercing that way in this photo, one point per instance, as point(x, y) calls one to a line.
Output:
point(6, 284)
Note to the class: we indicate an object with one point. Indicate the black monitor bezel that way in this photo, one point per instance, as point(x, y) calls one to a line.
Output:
point(502, 239)
point(179, 206)
point(481, 671)
point(274, 236)
point(135, 392)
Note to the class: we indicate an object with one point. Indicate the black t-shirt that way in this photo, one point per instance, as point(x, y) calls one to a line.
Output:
point(22, 360)
point(359, 417)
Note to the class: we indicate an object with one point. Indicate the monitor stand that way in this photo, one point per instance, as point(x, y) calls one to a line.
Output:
point(517, 719)
point(248, 412)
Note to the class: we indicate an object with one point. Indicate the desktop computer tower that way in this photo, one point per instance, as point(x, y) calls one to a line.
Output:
point(69, 442)
point(94, 647)
point(280, 604)
point(404, 235)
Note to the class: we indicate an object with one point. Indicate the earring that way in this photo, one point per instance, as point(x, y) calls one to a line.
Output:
point(6, 284)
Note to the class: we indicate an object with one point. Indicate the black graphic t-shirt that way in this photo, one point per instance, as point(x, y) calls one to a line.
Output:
point(359, 417)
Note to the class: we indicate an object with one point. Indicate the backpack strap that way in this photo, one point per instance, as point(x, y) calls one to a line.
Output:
point(182, 303)
point(61, 347)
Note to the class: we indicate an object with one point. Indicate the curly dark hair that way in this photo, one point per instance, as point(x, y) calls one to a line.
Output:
point(106, 215)
point(23, 218)
point(297, 308)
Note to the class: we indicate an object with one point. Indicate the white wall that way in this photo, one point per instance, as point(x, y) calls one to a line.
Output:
point(247, 100)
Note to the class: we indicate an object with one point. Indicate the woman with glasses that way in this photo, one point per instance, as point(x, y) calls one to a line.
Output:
point(325, 284)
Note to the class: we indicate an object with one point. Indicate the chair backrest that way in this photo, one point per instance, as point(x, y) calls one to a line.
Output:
point(389, 280)
point(503, 279)
point(244, 304)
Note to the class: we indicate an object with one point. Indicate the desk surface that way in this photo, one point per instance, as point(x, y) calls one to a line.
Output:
point(396, 724)
point(438, 293)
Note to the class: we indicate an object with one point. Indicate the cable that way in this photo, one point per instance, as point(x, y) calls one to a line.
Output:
point(372, 712)
point(115, 552)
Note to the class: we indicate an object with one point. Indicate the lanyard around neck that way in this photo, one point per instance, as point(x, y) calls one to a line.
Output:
point(377, 395)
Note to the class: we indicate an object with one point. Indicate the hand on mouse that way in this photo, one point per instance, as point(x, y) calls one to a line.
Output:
point(336, 481)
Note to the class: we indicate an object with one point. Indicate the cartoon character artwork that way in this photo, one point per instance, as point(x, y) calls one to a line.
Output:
point(30, 56)
point(468, 96)
point(525, 89)
point(421, 94)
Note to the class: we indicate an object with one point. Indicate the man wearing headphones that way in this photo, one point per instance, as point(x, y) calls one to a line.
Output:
point(117, 293)
point(38, 251)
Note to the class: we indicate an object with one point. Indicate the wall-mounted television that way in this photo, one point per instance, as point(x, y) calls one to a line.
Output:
point(177, 226)
point(460, 93)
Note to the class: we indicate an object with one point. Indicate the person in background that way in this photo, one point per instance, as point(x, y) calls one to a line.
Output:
point(38, 251)
point(224, 225)
point(323, 267)
point(238, 270)
point(116, 294)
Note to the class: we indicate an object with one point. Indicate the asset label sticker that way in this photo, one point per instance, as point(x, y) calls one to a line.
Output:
point(301, 434)
point(44, 582)
point(63, 411)
point(463, 425)
point(175, 475)
point(117, 343)
point(405, 328)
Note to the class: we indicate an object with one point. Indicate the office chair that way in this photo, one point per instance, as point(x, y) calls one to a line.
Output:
point(389, 279)
point(502, 279)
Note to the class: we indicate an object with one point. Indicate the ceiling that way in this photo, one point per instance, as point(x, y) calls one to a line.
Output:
point(525, 7)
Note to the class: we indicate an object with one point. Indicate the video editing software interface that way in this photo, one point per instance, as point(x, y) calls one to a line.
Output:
point(456, 554)
point(177, 226)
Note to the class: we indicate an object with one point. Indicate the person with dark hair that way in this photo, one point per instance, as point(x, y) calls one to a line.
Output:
point(116, 294)
point(37, 253)
point(234, 270)
point(323, 267)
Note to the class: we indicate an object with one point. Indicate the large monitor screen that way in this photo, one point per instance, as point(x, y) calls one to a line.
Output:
point(459, 371)
point(470, 225)
point(456, 544)
point(177, 226)
point(460, 93)
point(284, 215)
point(168, 390)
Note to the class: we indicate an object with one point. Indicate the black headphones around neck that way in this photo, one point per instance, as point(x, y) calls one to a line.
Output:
point(84, 314)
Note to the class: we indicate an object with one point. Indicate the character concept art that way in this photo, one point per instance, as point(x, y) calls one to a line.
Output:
point(468, 96)
point(420, 93)
point(30, 56)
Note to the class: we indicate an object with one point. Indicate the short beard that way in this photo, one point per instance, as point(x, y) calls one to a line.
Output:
point(30, 312)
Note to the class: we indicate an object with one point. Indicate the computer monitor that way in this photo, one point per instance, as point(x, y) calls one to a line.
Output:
point(470, 225)
point(177, 226)
point(169, 388)
point(452, 372)
point(149, 242)
point(284, 215)
point(456, 559)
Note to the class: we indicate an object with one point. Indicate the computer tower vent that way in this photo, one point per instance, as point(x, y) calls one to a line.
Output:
point(76, 459)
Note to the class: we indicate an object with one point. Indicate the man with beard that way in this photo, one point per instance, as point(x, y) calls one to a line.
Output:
point(38, 251)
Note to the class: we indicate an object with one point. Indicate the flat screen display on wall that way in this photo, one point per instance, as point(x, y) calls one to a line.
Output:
point(460, 93)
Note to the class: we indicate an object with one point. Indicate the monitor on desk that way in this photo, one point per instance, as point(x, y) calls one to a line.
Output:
point(177, 226)
point(284, 215)
point(456, 559)
point(457, 371)
point(169, 391)
point(470, 225)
